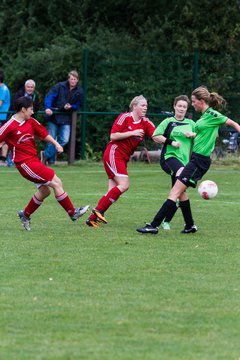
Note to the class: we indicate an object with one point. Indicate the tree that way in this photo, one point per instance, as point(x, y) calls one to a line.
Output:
point(135, 47)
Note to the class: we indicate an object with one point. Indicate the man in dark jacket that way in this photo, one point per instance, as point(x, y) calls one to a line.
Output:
point(28, 90)
point(65, 97)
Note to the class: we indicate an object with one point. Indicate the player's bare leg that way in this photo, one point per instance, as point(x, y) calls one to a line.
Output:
point(64, 200)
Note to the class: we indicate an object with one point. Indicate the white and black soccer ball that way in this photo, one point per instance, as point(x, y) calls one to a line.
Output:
point(207, 189)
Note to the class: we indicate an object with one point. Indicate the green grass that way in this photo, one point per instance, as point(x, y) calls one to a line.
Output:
point(72, 292)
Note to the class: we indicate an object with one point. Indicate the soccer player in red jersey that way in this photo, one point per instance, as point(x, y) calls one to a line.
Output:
point(126, 134)
point(18, 133)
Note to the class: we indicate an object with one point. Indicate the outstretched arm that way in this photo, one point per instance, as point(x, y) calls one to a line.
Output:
point(162, 139)
point(233, 124)
point(58, 147)
point(124, 135)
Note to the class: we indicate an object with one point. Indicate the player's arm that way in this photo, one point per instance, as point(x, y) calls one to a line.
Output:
point(3, 135)
point(233, 124)
point(124, 135)
point(162, 140)
point(50, 139)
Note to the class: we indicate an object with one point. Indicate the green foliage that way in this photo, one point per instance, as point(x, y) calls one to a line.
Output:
point(134, 48)
point(91, 154)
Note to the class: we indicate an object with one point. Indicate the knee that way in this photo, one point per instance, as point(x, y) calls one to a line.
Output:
point(174, 194)
point(124, 188)
point(177, 190)
point(65, 136)
point(56, 182)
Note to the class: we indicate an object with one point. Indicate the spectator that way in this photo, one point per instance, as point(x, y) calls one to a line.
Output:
point(28, 90)
point(4, 106)
point(66, 97)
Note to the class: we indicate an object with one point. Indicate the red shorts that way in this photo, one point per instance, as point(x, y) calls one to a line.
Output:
point(36, 172)
point(114, 163)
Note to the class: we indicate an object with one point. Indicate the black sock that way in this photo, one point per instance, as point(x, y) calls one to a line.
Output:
point(187, 213)
point(170, 216)
point(167, 210)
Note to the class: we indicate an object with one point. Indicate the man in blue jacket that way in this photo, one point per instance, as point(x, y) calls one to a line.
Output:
point(4, 107)
point(66, 97)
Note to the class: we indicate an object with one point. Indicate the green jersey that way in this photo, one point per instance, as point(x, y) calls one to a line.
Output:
point(174, 129)
point(207, 129)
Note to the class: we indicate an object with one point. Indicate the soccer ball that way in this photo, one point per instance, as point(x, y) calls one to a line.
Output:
point(208, 189)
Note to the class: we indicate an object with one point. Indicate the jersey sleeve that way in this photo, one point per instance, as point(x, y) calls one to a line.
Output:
point(150, 127)
point(193, 124)
point(39, 130)
point(216, 118)
point(160, 129)
point(118, 124)
point(222, 119)
point(5, 130)
point(2, 135)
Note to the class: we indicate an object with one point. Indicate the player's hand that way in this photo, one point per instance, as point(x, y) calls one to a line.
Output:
point(138, 132)
point(176, 144)
point(59, 148)
point(48, 112)
point(189, 134)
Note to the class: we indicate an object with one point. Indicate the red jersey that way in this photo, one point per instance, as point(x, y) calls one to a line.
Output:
point(124, 123)
point(20, 138)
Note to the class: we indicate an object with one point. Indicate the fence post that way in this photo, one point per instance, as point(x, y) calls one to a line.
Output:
point(72, 143)
point(195, 75)
point(195, 68)
point(84, 108)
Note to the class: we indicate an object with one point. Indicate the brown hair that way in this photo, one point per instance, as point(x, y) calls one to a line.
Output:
point(183, 98)
point(23, 102)
point(213, 99)
point(74, 73)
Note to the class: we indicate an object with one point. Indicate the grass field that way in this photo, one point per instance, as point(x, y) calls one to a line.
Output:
point(71, 292)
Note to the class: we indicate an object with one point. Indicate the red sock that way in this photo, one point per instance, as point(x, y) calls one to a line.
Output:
point(33, 205)
point(100, 202)
point(108, 199)
point(66, 203)
point(93, 216)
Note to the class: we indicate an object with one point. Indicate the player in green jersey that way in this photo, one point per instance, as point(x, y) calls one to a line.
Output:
point(209, 105)
point(176, 134)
